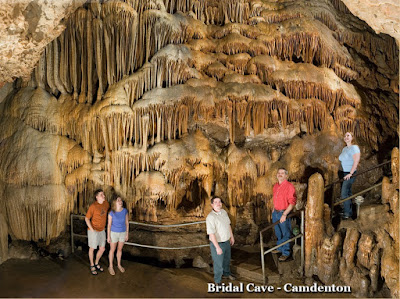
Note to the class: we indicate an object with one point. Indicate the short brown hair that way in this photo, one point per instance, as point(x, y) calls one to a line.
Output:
point(97, 193)
point(214, 197)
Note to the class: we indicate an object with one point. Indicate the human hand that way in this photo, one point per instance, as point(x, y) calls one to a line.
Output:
point(126, 237)
point(347, 177)
point(108, 240)
point(232, 241)
point(219, 250)
point(283, 218)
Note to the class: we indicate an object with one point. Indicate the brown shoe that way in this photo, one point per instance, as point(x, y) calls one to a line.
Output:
point(283, 258)
point(275, 251)
point(230, 277)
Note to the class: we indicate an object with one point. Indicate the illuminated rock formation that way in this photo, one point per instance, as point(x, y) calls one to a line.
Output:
point(171, 102)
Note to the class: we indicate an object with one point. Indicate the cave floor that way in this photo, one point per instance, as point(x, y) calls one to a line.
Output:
point(52, 277)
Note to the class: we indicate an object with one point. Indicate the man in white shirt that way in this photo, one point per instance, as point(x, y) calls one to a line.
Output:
point(221, 238)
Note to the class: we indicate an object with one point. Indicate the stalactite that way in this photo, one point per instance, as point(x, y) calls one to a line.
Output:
point(82, 59)
point(327, 18)
point(152, 185)
point(233, 43)
point(64, 61)
point(241, 29)
point(40, 73)
point(128, 163)
point(98, 39)
point(44, 217)
point(90, 51)
point(57, 74)
point(339, 5)
point(50, 67)
point(275, 17)
point(242, 175)
point(314, 114)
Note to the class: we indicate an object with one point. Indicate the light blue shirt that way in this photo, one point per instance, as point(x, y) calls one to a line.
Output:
point(346, 157)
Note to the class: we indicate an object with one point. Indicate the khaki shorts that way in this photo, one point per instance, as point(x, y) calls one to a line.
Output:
point(96, 238)
point(118, 237)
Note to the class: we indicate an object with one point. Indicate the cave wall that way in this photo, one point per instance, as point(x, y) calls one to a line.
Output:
point(168, 102)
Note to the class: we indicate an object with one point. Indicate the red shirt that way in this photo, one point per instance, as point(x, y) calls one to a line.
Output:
point(284, 195)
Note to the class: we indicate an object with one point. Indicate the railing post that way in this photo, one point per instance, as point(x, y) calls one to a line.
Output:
point(262, 257)
point(72, 234)
point(302, 242)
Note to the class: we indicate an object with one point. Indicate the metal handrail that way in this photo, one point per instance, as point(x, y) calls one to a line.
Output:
point(143, 224)
point(276, 222)
point(300, 235)
point(358, 173)
point(332, 205)
point(359, 193)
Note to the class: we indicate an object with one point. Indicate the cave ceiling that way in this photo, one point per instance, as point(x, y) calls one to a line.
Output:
point(155, 99)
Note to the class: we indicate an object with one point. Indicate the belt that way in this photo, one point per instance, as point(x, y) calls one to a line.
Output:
point(279, 210)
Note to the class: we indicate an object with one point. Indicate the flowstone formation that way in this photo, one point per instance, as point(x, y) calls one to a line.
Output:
point(170, 102)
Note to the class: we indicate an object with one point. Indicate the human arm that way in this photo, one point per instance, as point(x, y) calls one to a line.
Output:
point(127, 227)
point(356, 160)
point(213, 240)
point(232, 239)
point(109, 228)
point(286, 213)
point(88, 223)
point(88, 218)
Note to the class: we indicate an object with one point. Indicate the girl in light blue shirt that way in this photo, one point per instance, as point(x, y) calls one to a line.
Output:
point(350, 157)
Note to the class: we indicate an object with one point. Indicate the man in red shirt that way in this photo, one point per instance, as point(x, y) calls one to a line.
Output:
point(284, 201)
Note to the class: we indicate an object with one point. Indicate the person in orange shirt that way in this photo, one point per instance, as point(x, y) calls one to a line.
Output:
point(95, 219)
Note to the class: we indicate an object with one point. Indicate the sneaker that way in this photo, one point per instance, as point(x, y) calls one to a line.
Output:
point(283, 258)
point(230, 277)
point(276, 251)
point(344, 217)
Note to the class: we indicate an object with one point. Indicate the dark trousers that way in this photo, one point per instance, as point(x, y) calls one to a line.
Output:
point(283, 232)
point(221, 262)
point(346, 192)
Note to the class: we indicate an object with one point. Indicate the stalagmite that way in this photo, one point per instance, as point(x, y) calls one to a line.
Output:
point(314, 228)
point(3, 239)
point(328, 259)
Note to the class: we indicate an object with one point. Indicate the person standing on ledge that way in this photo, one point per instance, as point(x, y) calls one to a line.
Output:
point(284, 197)
point(350, 157)
point(95, 219)
point(221, 239)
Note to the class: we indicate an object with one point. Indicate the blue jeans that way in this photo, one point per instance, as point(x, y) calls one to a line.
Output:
point(221, 262)
point(346, 192)
point(283, 232)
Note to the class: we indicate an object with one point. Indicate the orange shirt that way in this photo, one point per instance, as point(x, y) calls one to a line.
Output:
point(284, 194)
point(97, 213)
